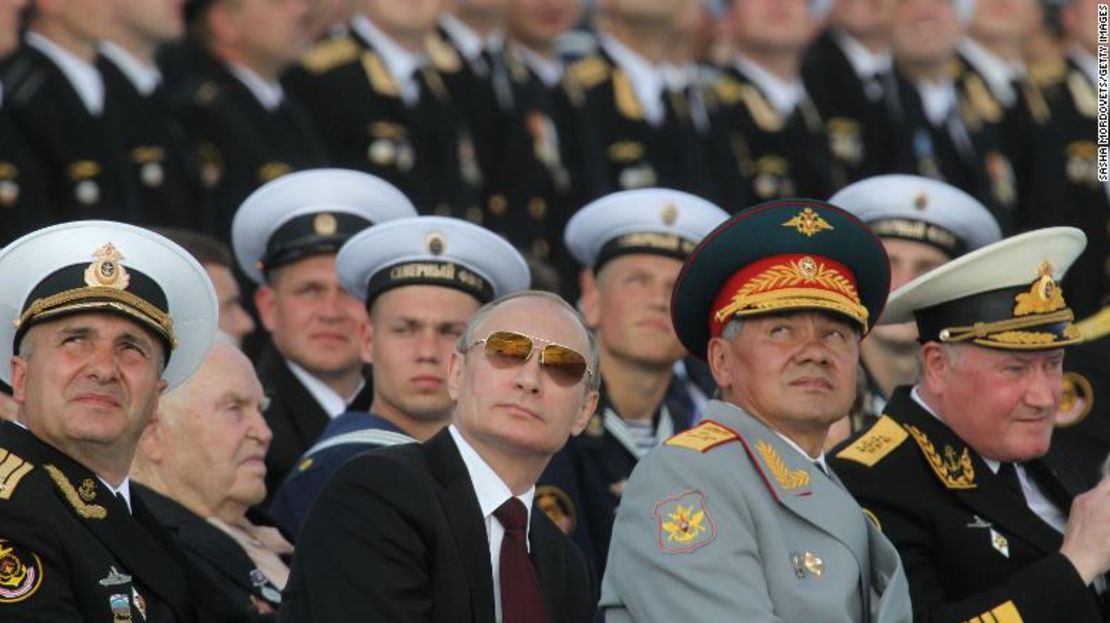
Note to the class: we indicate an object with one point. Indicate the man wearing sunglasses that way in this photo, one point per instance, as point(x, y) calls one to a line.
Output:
point(631, 244)
point(444, 531)
point(739, 518)
point(418, 309)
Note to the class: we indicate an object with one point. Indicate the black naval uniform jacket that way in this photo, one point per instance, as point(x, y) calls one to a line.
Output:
point(294, 416)
point(81, 155)
point(856, 126)
point(967, 152)
point(23, 185)
point(426, 150)
point(775, 157)
point(213, 552)
point(397, 535)
point(1083, 428)
point(161, 170)
point(970, 547)
point(582, 485)
point(70, 551)
point(239, 145)
point(1068, 190)
point(610, 146)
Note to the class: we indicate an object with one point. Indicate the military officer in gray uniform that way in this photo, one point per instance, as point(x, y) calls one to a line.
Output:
point(739, 518)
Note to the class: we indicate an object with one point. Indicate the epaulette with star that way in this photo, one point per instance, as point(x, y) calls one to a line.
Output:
point(880, 440)
point(703, 437)
point(329, 54)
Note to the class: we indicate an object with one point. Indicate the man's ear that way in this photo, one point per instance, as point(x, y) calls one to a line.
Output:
point(19, 379)
point(720, 362)
point(589, 406)
point(152, 441)
point(455, 373)
point(265, 301)
point(934, 367)
point(366, 341)
point(589, 302)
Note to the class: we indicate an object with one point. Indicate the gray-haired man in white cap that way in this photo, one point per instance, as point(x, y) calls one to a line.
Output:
point(97, 319)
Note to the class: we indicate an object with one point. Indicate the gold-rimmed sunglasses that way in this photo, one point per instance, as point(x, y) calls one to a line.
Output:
point(509, 348)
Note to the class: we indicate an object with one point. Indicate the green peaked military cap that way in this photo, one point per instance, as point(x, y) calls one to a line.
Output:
point(782, 255)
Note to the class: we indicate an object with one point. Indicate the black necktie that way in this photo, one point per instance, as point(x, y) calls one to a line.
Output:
point(1008, 473)
point(521, 597)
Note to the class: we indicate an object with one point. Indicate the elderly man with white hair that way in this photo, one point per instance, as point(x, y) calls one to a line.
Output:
point(201, 466)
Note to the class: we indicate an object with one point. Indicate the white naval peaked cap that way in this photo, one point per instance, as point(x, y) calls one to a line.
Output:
point(658, 221)
point(1005, 295)
point(431, 250)
point(109, 267)
point(308, 213)
point(920, 209)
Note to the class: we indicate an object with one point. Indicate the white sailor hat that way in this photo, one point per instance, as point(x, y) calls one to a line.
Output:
point(431, 250)
point(658, 221)
point(309, 213)
point(920, 209)
point(1005, 295)
point(103, 266)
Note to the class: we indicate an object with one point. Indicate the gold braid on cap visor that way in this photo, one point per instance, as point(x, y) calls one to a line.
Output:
point(94, 298)
point(1009, 333)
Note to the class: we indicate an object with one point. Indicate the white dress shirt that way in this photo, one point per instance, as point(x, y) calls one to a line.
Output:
point(784, 95)
point(492, 492)
point(268, 92)
point(399, 62)
point(145, 78)
point(82, 75)
point(647, 79)
point(329, 400)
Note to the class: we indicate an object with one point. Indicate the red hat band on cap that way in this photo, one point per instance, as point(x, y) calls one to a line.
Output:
point(787, 282)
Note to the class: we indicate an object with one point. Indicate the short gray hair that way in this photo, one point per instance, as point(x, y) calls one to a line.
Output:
point(467, 339)
point(732, 329)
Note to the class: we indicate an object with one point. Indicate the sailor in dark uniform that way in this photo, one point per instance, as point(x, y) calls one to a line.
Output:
point(845, 72)
point(922, 224)
point(99, 318)
point(55, 96)
point(22, 184)
point(1069, 190)
point(243, 128)
point(940, 125)
point(161, 170)
point(775, 132)
point(285, 237)
point(997, 85)
point(380, 102)
point(422, 279)
point(625, 129)
point(631, 245)
point(962, 472)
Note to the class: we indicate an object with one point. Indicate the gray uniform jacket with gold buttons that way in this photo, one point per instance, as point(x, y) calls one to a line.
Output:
point(726, 522)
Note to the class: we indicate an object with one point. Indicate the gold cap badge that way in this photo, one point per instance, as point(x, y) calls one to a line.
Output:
point(107, 271)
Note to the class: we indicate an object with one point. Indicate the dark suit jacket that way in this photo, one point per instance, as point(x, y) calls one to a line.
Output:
point(62, 522)
point(294, 416)
point(397, 535)
point(969, 546)
point(212, 551)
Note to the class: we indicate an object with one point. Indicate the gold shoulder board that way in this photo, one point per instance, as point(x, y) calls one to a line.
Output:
point(330, 54)
point(1047, 73)
point(589, 72)
point(12, 470)
point(880, 440)
point(443, 57)
point(727, 90)
point(703, 437)
point(765, 117)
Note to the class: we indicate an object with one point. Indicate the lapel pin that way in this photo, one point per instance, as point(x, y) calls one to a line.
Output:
point(1000, 544)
